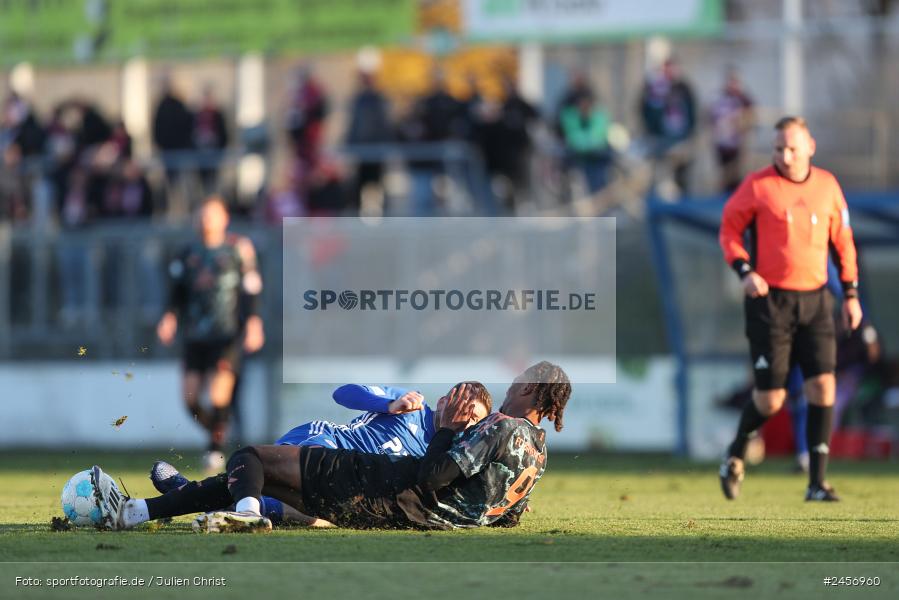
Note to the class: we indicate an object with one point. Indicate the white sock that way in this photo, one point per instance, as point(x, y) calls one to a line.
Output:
point(136, 512)
point(249, 504)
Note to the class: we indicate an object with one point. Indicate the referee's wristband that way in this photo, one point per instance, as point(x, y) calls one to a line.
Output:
point(850, 289)
point(741, 268)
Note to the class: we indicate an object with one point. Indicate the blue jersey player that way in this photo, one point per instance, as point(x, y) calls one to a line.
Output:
point(396, 422)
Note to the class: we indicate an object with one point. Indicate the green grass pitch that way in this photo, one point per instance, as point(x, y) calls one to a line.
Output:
point(632, 526)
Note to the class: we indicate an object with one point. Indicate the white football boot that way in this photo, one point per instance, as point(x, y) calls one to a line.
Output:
point(232, 522)
point(110, 500)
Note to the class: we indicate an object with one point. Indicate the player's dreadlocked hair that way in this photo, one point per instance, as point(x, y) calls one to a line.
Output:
point(478, 393)
point(552, 390)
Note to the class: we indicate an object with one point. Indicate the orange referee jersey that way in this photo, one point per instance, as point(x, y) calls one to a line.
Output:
point(793, 226)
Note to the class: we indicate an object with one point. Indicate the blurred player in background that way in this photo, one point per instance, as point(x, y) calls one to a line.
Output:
point(483, 477)
point(397, 422)
point(795, 212)
point(213, 297)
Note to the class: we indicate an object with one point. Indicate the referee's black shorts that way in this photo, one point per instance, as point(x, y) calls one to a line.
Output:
point(788, 327)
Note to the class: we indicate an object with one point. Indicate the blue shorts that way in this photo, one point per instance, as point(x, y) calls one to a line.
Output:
point(316, 433)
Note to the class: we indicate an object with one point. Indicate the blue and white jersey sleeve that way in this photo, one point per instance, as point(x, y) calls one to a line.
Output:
point(369, 398)
point(372, 432)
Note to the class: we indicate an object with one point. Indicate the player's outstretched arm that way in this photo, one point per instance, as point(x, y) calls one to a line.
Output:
point(382, 399)
point(250, 295)
point(177, 298)
point(167, 327)
point(438, 468)
point(739, 211)
point(843, 242)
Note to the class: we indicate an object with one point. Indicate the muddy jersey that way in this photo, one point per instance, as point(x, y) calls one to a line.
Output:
point(207, 289)
point(501, 459)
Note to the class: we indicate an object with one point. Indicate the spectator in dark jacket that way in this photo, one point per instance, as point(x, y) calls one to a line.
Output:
point(173, 128)
point(731, 116)
point(61, 151)
point(518, 117)
point(210, 138)
point(172, 122)
point(668, 108)
point(14, 197)
point(369, 124)
point(436, 117)
point(19, 126)
point(306, 116)
point(95, 129)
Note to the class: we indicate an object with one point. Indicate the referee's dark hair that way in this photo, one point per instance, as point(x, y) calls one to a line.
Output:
point(553, 389)
point(789, 121)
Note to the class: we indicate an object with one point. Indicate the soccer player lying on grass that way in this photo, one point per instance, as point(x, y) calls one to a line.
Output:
point(482, 478)
point(397, 422)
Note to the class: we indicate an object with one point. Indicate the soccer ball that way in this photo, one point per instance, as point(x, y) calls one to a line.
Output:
point(80, 503)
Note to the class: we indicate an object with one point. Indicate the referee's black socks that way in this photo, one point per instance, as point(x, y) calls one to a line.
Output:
point(820, 423)
point(750, 422)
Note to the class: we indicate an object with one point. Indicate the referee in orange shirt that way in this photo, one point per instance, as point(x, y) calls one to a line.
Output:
point(795, 213)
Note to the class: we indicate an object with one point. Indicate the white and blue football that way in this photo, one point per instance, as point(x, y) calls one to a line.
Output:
point(79, 503)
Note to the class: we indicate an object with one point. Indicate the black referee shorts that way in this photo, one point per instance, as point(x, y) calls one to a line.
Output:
point(787, 327)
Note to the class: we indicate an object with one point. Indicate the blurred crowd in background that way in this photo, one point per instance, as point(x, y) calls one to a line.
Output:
point(496, 153)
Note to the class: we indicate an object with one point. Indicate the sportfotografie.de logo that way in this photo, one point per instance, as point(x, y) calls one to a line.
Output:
point(476, 300)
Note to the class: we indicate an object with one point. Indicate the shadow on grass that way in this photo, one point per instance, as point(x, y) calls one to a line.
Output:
point(36, 543)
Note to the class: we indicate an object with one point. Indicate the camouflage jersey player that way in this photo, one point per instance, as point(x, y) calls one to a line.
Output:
point(213, 300)
point(499, 461)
